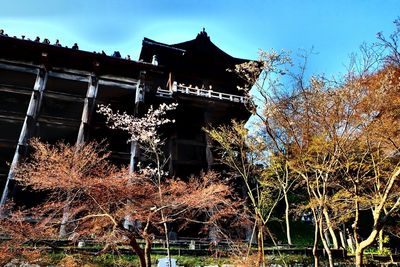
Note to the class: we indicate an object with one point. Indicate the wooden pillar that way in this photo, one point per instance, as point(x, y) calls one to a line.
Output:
point(135, 151)
point(134, 158)
point(88, 107)
point(212, 232)
point(27, 130)
point(209, 155)
point(172, 153)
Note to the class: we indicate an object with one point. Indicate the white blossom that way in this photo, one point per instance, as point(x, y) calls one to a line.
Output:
point(141, 129)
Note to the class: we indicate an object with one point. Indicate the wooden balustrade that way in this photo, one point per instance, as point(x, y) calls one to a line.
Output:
point(200, 92)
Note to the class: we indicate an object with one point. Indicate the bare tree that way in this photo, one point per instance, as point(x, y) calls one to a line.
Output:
point(242, 154)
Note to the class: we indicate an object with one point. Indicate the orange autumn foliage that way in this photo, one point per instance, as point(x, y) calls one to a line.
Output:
point(101, 197)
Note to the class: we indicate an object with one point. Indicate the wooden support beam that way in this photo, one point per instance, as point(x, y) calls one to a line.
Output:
point(69, 76)
point(10, 116)
point(134, 156)
point(123, 85)
point(209, 155)
point(72, 74)
point(135, 150)
point(212, 232)
point(172, 147)
point(27, 129)
point(88, 108)
point(15, 89)
point(83, 73)
point(32, 68)
point(118, 79)
point(7, 142)
point(6, 65)
point(65, 73)
point(59, 121)
point(64, 96)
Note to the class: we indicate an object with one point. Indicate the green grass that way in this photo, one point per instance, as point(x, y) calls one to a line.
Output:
point(127, 260)
point(105, 260)
point(302, 233)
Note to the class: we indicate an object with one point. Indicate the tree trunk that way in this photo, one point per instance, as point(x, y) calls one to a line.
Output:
point(330, 228)
point(342, 235)
point(160, 195)
point(380, 241)
point(315, 246)
point(260, 244)
point(147, 253)
point(259, 248)
point(366, 242)
point(359, 257)
point(288, 235)
point(63, 224)
point(325, 243)
point(139, 251)
point(65, 218)
point(166, 238)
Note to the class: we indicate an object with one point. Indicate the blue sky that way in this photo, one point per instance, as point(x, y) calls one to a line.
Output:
point(240, 28)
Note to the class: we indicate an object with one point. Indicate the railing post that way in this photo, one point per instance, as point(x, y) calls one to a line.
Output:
point(174, 86)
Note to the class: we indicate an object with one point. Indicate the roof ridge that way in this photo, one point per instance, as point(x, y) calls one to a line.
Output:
point(150, 41)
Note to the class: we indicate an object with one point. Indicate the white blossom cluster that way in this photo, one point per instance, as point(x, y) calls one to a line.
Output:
point(153, 172)
point(141, 129)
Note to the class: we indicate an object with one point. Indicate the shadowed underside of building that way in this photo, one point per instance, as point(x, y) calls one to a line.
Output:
point(52, 92)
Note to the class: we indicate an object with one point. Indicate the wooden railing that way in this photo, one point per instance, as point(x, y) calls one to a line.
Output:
point(199, 92)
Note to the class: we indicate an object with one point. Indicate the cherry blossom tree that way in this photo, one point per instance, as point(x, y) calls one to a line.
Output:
point(100, 196)
point(144, 130)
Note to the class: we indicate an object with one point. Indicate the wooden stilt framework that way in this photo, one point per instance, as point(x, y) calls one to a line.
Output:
point(88, 108)
point(32, 113)
point(27, 128)
point(209, 155)
point(135, 150)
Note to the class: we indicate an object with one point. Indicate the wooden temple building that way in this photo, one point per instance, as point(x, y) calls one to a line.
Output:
point(51, 92)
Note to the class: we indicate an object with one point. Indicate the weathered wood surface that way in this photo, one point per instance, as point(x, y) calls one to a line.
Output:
point(27, 129)
point(88, 109)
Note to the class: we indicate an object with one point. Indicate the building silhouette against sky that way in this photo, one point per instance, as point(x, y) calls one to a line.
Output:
point(51, 92)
